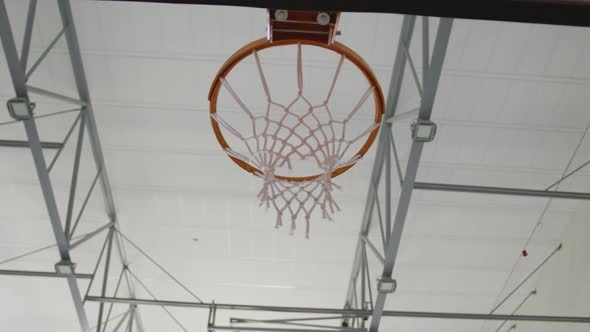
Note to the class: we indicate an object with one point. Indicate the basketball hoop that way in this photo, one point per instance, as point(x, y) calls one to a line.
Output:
point(279, 135)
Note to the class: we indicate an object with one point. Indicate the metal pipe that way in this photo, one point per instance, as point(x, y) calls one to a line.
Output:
point(275, 329)
point(337, 311)
point(7, 143)
point(105, 277)
point(425, 48)
point(413, 70)
point(374, 250)
point(83, 207)
point(249, 320)
point(90, 235)
point(42, 274)
point(24, 54)
point(411, 114)
point(45, 53)
point(75, 170)
point(54, 95)
point(500, 191)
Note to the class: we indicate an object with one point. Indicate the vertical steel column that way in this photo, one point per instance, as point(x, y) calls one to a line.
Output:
point(391, 107)
point(17, 74)
point(427, 102)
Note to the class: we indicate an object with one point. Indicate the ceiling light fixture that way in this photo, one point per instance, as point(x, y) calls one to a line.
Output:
point(65, 267)
point(386, 285)
point(423, 131)
point(20, 108)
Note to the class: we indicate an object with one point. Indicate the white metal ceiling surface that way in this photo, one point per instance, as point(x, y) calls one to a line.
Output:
point(511, 108)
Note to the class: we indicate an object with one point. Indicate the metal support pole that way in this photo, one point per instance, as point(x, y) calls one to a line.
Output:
point(44, 54)
point(42, 274)
point(425, 48)
point(391, 107)
point(501, 191)
point(54, 95)
point(275, 329)
point(105, 278)
point(339, 311)
point(430, 86)
point(387, 143)
point(18, 80)
point(8, 143)
point(24, 54)
point(90, 235)
point(75, 170)
point(80, 78)
point(73, 45)
point(249, 320)
point(373, 249)
point(122, 320)
point(130, 322)
point(286, 322)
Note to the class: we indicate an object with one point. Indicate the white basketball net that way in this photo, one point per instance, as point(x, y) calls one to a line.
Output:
point(272, 143)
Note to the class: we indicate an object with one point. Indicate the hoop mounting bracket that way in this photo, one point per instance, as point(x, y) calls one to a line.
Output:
point(302, 24)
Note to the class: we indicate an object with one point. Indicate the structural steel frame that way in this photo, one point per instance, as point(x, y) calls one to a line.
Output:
point(85, 121)
point(359, 304)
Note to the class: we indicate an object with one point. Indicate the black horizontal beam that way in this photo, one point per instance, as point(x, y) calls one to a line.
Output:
point(560, 12)
point(7, 143)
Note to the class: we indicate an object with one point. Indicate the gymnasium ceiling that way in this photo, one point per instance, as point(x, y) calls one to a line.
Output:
point(511, 109)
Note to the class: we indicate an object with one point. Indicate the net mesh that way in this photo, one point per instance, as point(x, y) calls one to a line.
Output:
point(280, 135)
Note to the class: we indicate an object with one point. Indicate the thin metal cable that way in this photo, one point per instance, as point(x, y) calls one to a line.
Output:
point(28, 253)
point(111, 319)
point(526, 298)
point(527, 278)
point(159, 266)
point(546, 207)
point(43, 116)
point(568, 175)
point(37, 250)
point(563, 174)
point(155, 298)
